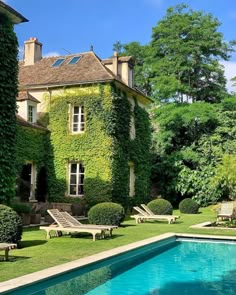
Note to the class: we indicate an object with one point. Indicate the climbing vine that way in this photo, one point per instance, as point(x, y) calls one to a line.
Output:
point(8, 93)
point(104, 148)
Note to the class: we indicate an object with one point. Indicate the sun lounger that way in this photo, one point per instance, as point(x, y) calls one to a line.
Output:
point(62, 225)
point(7, 247)
point(226, 211)
point(145, 215)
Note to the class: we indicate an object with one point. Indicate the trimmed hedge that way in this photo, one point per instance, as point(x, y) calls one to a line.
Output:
point(106, 213)
point(10, 225)
point(160, 207)
point(188, 206)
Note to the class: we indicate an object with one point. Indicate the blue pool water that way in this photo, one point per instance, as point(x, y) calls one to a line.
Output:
point(166, 268)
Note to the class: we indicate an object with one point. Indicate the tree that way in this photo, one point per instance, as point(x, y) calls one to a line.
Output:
point(184, 57)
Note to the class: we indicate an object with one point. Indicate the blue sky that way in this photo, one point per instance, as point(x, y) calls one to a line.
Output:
point(74, 25)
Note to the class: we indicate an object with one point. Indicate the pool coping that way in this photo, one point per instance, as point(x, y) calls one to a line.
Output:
point(205, 225)
point(38, 276)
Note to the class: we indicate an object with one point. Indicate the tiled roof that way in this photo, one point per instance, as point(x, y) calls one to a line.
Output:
point(24, 95)
point(88, 69)
point(22, 121)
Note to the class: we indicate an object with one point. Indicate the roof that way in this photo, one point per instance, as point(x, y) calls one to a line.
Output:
point(88, 69)
point(23, 122)
point(14, 16)
point(24, 95)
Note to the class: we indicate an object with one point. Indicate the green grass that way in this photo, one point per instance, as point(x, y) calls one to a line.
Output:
point(37, 253)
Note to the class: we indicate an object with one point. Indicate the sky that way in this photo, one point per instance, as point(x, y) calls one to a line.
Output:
point(72, 26)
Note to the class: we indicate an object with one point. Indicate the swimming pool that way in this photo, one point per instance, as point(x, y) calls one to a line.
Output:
point(173, 265)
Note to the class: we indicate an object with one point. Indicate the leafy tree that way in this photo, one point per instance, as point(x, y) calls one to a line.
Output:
point(184, 56)
point(226, 176)
point(189, 155)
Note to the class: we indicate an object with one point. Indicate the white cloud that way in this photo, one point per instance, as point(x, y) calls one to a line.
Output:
point(230, 72)
point(52, 53)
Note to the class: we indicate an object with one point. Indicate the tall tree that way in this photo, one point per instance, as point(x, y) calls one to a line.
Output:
point(186, 47)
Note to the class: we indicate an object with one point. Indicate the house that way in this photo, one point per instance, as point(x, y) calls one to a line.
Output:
point(89, 124)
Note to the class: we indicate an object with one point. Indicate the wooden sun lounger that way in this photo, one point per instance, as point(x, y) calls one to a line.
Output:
point(7, 247)
point(226, 212)
point(146, 215)
point(61, 224)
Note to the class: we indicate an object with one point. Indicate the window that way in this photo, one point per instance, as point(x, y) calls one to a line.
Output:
point(30, 113)
point(74, 60)
point(76, 179)
point(78, 119)
point(131, 180)
point(58, 62)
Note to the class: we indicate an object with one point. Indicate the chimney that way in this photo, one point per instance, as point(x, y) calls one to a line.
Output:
point(115, 63)
point(32, 51)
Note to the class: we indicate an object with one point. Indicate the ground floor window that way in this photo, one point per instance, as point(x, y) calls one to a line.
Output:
point(131, 179)
point(76, 179)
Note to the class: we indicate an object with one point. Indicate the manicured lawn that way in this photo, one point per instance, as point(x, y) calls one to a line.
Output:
point(37, 253)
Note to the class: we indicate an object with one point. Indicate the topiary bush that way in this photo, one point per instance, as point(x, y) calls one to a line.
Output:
point(188, 206)
point(10, 225)
point(160, 207)
point(106, 213)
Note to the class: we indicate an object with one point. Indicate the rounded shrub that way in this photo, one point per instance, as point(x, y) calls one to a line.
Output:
point(10, 225)
point(188, 206)
point(160, 207)
point(106, 213)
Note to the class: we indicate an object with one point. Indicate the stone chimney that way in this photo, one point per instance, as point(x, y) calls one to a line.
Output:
point(115, 63)
point(32, 51)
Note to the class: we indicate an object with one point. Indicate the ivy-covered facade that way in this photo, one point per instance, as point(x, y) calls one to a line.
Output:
point(8, 93)
point(96, 139)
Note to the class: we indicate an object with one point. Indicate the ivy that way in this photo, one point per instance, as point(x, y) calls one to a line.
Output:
point(8, 93)
point(104, 148)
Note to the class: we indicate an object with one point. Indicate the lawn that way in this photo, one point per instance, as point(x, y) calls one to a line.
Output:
point(37, 253)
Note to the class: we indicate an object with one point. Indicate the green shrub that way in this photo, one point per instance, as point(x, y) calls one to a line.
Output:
point(106, 213)
point(10, 225)
point(21, 208)
point(188, 206)
point(160, 207)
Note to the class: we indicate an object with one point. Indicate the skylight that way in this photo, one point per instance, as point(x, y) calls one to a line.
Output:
point(74, 60)
point(58, 62)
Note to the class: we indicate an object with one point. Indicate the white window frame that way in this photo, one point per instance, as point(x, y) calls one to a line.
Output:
point(80, 123)
point(79, 177)
point(131, 180)
point(31, 113)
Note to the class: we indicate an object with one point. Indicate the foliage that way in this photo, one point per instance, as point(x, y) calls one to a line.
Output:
point(188, 206)
point(226, 175)
point(160, 207)
point(10, 225)
point(21, 208)
point(106, 213)
point(187, 152)
point(185, 50)
point(8, 93)
point(104, 148)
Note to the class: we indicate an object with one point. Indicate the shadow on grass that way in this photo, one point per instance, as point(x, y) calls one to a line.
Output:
point(13, 258)
point(31, 243)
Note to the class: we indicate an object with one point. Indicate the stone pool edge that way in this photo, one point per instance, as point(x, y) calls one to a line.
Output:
point(38, 276)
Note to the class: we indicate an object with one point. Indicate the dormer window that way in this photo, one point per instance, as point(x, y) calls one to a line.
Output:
point(77, 119)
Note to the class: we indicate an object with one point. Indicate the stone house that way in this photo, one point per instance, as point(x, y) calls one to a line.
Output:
point(83, 128)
